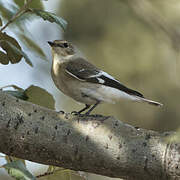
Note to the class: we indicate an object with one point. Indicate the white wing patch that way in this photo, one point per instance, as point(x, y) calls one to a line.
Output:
point(95, 75)
point(74, 75)
point(109, 76)
point(98, 76)
point(104, 74)
point(101, 81)
point(81, 70)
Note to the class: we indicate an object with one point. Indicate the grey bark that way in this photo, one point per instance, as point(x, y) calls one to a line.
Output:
point(96, 144)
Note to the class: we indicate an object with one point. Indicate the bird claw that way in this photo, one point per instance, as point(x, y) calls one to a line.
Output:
point(75, 113)
point(61, 112)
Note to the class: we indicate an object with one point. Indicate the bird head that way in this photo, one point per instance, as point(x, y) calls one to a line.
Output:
point(62, 48)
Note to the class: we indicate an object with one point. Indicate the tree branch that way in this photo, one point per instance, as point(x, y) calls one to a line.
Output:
point(23, 10)
point(96, 144)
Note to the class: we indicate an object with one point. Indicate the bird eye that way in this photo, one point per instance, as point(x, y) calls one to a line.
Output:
point(65, 45)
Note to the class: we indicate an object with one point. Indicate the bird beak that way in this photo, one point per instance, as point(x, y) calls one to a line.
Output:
point(51, 43)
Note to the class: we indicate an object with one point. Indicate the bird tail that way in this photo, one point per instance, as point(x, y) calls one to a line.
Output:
point(150, 101)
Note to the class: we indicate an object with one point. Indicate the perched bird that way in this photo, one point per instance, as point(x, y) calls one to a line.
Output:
point(84, 82)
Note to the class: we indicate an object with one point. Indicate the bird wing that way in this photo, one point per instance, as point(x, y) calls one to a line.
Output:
point(85, 71)
point(81, 69)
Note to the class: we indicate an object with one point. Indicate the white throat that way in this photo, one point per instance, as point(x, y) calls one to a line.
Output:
point(60, 59)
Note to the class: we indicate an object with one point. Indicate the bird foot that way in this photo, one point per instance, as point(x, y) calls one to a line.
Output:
point(61, 112)
point(75, 113)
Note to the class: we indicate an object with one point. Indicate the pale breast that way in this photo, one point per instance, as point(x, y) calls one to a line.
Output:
point(69, 85)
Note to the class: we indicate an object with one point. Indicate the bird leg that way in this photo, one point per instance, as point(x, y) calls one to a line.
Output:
point(87, 113)
point(86, 107)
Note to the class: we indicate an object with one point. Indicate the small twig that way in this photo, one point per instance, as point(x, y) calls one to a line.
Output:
point(52, 172)
point(18, 14)
point(45, 174)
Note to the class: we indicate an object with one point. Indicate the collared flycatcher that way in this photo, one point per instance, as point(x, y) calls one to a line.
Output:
point(84, 82)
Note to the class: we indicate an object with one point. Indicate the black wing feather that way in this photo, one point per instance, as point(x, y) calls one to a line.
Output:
point(118, 85)
point(82, 69)
point(87, 72)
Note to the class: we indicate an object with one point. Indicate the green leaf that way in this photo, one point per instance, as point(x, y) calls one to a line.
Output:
point(40, 96)
point(16, 87)
point(51, 17)
point(20, 52)
point(17, 94)
point(34, 4)
point(33, 94)
point(33, 46)
point(4, 58)
point(37, 4)
point(18, 170)
point(13, 49)
point(13, 86)
point(11, 158)
point(19, 3)
point(12, 56)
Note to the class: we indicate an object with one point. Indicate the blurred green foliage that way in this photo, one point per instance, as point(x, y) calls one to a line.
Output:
point(18, 171)
point(11, 52)
point(34, 4)
point(32, 44)
point(18, 13)
point(51, 17)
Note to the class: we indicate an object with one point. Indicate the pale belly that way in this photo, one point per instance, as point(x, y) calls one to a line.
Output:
point(87, 93)
point(73, 89)
point(90, 93)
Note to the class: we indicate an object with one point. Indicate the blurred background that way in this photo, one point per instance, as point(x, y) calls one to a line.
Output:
point(136, 41)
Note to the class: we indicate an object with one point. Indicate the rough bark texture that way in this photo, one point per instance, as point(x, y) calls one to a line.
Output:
point(96, 144)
